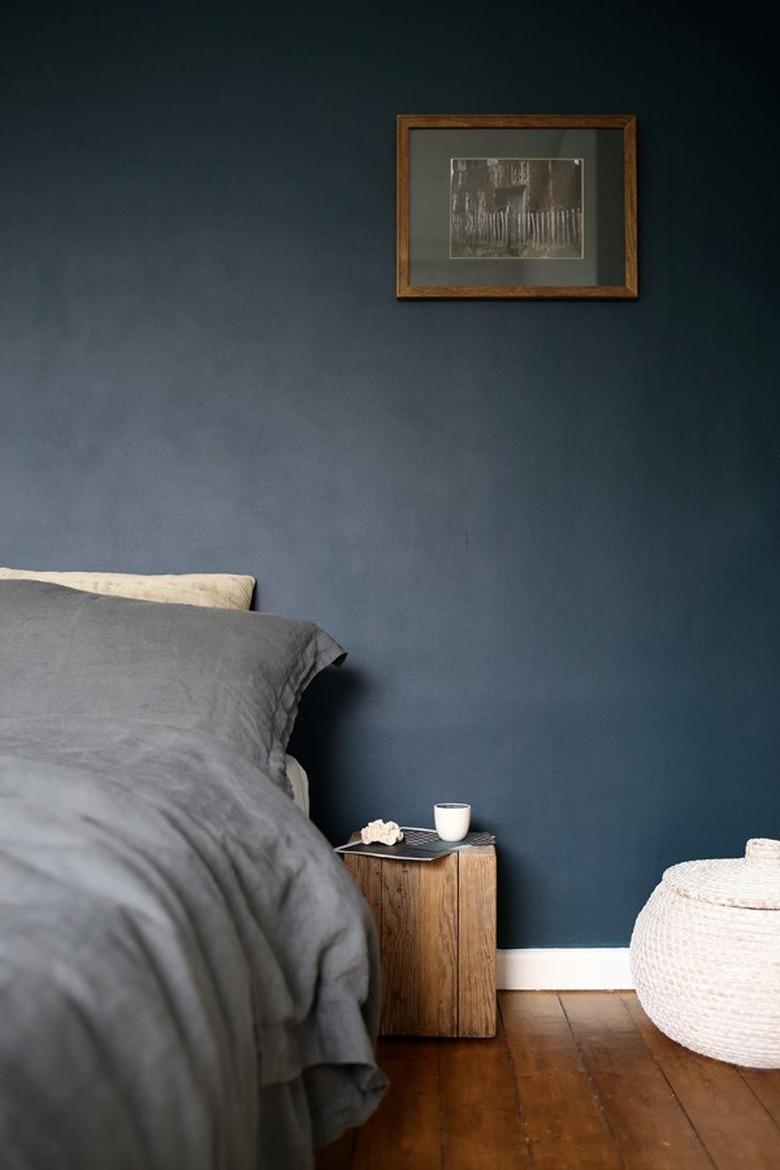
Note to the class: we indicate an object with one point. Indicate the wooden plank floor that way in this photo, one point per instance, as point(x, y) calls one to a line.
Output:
point(573, 1081)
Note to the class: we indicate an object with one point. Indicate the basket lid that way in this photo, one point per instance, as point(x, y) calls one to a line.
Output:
point(752, 881)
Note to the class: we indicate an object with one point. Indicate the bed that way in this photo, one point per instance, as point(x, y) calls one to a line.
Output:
point(188, 977)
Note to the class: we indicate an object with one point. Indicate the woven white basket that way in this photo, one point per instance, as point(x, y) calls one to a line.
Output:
point(705, 956)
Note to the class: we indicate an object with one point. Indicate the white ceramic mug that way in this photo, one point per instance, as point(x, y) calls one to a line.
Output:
point(452, 820)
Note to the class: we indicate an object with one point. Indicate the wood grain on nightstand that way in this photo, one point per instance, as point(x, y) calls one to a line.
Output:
point(477, 942)
point(437, 931)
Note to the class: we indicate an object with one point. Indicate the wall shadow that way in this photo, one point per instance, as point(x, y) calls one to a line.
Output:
point(320, 740)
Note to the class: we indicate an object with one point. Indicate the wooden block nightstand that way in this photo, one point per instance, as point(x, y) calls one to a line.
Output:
point(437, 931)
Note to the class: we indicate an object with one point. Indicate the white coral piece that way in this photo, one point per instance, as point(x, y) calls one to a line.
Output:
point(383, 832)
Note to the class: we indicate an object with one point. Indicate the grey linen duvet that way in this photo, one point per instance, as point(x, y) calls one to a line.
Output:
point(188, 977)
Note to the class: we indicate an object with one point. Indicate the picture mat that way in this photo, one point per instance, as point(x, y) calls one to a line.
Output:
point(430, 152)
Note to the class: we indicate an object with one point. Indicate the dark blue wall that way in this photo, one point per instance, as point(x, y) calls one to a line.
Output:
point(546, 532)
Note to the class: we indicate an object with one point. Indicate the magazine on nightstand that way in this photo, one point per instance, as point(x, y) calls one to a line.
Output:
point(417, 845)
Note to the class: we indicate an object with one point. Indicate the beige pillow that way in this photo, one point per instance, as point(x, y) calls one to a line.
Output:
point(219, 590)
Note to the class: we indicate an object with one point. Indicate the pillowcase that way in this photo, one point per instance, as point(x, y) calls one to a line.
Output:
point(223, 590)
point(298, 782)
point(235, 675)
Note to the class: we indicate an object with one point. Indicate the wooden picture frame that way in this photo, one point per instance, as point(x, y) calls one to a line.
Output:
point(514, 201)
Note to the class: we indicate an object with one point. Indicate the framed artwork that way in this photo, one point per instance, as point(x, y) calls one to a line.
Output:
point(532, 206)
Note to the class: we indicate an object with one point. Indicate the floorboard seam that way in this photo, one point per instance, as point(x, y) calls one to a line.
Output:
point(515, 1084)
point(662, 1071)
point(593, 1087)
point(768, 1112)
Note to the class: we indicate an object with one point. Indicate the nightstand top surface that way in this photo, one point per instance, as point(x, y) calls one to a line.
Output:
point(355, 837)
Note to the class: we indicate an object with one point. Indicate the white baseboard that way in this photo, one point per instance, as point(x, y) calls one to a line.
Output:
point(564, 969)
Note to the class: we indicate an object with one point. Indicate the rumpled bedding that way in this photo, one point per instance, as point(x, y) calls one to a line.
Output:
point(188, 977)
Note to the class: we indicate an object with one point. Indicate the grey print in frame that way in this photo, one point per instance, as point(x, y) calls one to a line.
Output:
point(516, 208)
point(503, 206)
